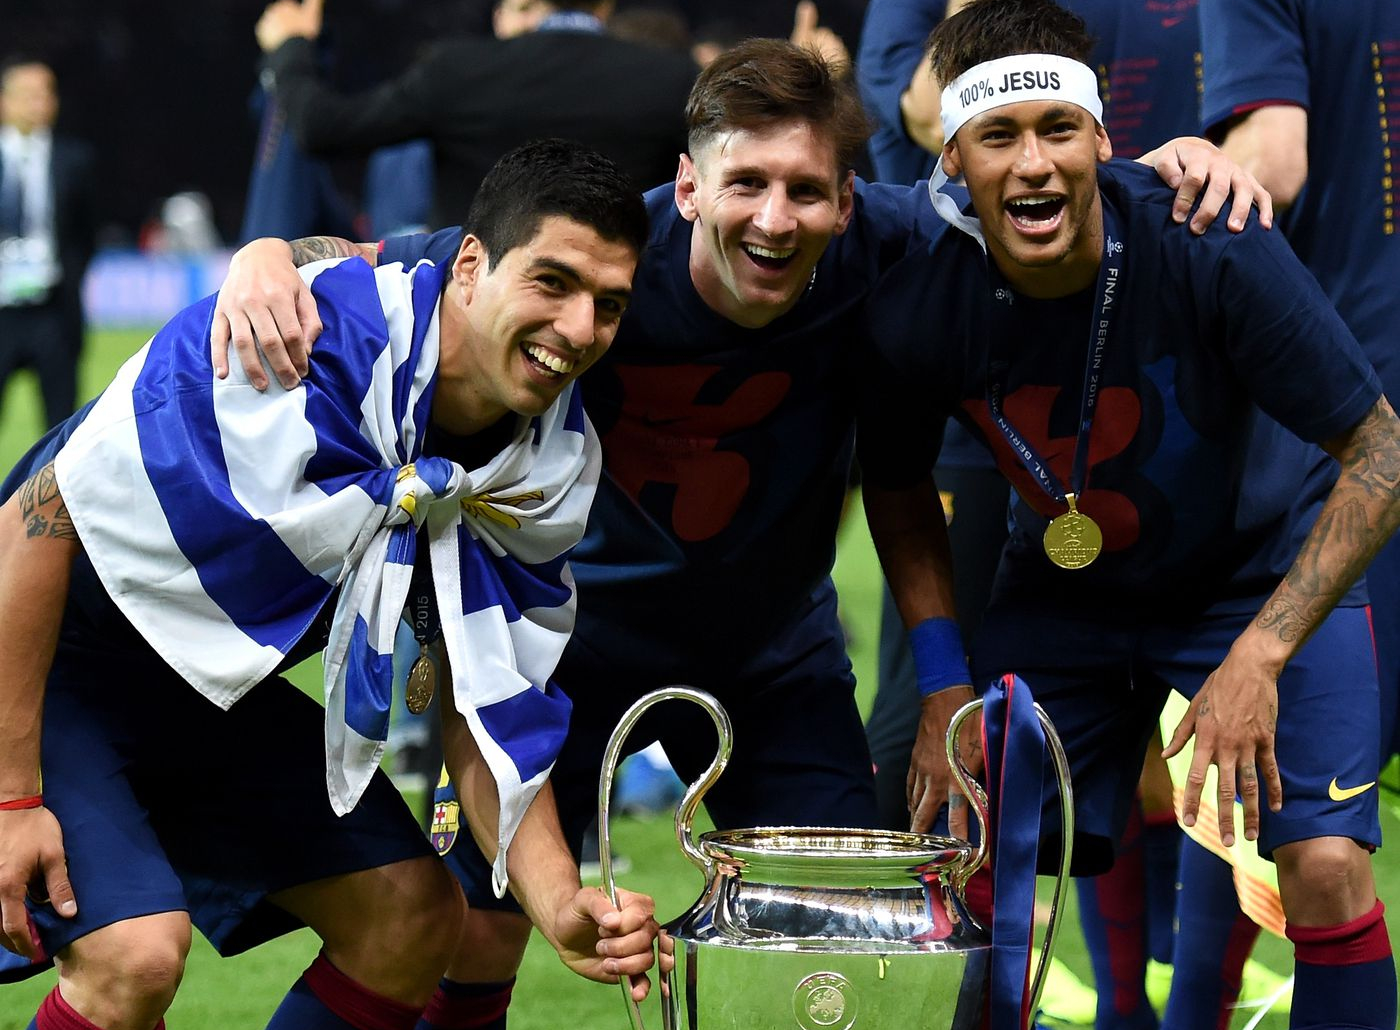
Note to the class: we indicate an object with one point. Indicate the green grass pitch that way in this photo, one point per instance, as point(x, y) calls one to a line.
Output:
point(240, 993)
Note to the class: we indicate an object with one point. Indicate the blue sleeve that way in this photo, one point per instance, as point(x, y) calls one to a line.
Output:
point(1251, 53)
point(1295, 356)
point(439, 248)
point(891, 46)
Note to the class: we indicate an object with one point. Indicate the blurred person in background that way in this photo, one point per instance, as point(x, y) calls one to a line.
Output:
point(477, 98)
point(48, 229)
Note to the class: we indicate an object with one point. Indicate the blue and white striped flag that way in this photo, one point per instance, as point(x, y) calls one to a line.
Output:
point(221, 520)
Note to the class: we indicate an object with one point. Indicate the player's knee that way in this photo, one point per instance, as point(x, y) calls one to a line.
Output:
point(425, 906)
point(127, 971)
point(1325, 881)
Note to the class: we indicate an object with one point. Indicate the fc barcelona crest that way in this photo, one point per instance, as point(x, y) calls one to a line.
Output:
point(447, 820)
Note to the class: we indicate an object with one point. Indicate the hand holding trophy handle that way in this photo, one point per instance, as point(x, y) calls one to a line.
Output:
point(685, 811)
point(977, 797)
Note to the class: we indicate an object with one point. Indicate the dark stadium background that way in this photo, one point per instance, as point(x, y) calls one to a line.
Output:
point(161, 87)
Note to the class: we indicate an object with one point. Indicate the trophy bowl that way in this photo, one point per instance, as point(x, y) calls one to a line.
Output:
point(823, 928)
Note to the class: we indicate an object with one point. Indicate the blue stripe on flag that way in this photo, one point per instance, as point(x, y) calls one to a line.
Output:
point(354, 334)
point(427, 288)
point(403, 544)
point(435, 472)
point(488, 581)
point(180, 445)
point(369, 678)
point(573, 418)
point(530, 727)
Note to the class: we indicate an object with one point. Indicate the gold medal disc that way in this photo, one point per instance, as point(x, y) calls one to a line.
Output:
point(422, 684)
point(1072, 540)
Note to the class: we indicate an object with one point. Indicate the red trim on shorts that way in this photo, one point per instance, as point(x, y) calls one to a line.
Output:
point(1362, 940)
point(467, 1007)
point(355, 1003)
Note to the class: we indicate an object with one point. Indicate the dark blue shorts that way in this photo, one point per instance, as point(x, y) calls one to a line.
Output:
point(800, 757)
point(168, 803)
point(1103, 687)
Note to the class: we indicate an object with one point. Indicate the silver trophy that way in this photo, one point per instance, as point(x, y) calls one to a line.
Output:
point(817, 928)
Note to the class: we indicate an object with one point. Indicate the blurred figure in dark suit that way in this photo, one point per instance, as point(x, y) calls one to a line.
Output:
point(48, 230)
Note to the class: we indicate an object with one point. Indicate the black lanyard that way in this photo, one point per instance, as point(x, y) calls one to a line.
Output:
point(1111, 279)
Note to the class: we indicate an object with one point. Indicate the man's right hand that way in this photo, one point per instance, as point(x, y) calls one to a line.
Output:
point(265, 305)
point(930, 783)
point(31, 851)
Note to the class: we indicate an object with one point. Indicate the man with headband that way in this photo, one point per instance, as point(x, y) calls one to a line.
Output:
point(1149, 395)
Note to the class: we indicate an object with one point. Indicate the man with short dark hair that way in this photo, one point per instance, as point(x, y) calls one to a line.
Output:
point(1165, 533)
point(436, 454)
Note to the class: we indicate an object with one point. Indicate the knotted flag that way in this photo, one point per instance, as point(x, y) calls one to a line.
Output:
point(222, 519)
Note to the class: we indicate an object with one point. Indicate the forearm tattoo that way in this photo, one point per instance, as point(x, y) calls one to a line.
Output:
point(42, 509)
point(1358, 518)
point(318, 248)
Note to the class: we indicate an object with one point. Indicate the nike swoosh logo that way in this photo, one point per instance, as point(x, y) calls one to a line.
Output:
point(1337, 793)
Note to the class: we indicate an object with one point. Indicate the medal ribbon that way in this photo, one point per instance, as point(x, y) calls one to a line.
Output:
point(1014, 744)
point(422, 607)
point(1112, 274)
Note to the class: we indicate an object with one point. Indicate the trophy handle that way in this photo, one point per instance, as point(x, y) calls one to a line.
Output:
point(1052, 925)
point(977, 797)
point(685, 811)
point(972, 790)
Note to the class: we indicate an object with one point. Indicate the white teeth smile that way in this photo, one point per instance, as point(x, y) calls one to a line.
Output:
point(1021, 208)
point(551, 361)
point(766, 252)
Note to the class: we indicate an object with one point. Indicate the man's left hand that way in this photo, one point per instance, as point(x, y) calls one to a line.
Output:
point(1234, 717)
point(1190, 166)
point(603, 943)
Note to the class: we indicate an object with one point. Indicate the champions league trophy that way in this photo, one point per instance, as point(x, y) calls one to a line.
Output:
point(802, 928)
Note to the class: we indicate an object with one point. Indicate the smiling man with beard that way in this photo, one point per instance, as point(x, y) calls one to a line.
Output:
point(1157, 401)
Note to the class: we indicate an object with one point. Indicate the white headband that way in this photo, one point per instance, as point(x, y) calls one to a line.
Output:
point(993, 84)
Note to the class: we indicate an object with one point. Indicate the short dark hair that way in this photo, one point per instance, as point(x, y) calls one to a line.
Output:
point(761, 82)
point(11, 61)
point(554, 177)
point(988, 29)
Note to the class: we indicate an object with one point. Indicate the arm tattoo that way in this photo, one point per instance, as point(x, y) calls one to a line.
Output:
point(41, 507)
point(1357, 518)
point(317, 248)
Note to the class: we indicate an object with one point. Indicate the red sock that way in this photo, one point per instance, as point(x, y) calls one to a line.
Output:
point(56, 1014)
point(354, 1003)
point(464, 1006)
point(1344, 975)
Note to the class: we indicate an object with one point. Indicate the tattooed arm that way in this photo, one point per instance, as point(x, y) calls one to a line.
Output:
point(37, 547)
point(265, 305)
point(1235, 713)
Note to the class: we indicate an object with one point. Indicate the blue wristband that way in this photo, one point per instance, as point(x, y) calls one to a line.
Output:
point(939, 659)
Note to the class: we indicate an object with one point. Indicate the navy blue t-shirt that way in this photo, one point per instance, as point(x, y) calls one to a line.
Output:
point(1340, 61)
point(726, 450)
point(1147, 56)
point(1203, 503)
point(891, 47)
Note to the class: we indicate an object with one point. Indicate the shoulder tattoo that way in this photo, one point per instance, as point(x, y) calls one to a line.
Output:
point(42, 509)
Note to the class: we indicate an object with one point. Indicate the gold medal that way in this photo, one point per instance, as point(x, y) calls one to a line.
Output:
point(1072, 540)
point(422, 683)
